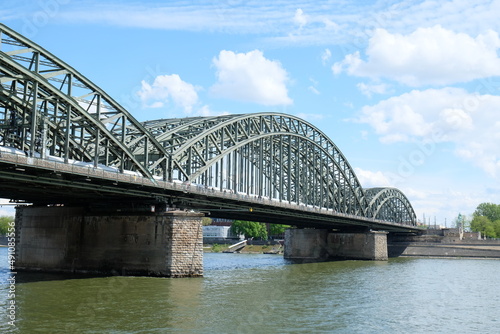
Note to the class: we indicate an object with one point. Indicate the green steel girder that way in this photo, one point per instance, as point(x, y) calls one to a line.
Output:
point(104, 125)
point(390, 204)
point(48, 92)
point(19, 105)
point(199, 144)
point(51, 111)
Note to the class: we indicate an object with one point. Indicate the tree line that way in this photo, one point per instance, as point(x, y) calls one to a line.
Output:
point(486, 219)
point(4, 224)
point(256, 230)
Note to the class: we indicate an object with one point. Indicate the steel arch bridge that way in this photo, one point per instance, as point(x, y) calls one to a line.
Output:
point(51, 111)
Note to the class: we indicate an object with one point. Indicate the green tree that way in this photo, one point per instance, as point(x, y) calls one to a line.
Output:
point(249, 229)
point(4, 224)
point(275, 229)
point(206, 221)
point(496, 226)
point(484, 225)
point(486, 219)
point(490, 210)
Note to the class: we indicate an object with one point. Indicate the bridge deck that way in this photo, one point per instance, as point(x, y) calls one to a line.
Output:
point(36, 180)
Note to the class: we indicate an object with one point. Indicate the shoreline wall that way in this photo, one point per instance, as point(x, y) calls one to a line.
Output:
point(442, 245)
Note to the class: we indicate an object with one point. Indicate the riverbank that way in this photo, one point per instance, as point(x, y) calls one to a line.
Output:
point(422, 249)
point(248, 249)
point(427, 246)
point(448, 244)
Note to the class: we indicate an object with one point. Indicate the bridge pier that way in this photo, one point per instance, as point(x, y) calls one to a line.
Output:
point(65, 239)
point(314, 245)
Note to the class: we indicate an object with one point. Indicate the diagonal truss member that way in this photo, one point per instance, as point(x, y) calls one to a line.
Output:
point(50, 110)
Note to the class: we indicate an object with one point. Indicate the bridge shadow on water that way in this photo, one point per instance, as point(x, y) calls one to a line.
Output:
point(38, 276)
point(213, 262)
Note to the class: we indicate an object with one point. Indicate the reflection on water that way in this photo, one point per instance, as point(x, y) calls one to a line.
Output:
point(249, 293)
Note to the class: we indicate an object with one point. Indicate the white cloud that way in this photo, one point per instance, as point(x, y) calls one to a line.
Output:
point(250, 77)
point(157, 104)
point(443, 200)
point(325, 56)
point(369, 179)
point(370, 89)
point(323, 21)
point(426, 56)
point(444, 204)
point(300, 19)
point(468, 120)
point(166, 87)
point(206, 111)
point(313, 90)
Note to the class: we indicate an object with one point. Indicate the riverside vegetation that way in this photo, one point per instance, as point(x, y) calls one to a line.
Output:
point(486, 219)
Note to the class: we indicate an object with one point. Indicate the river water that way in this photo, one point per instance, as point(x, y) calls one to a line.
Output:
point(257, 293)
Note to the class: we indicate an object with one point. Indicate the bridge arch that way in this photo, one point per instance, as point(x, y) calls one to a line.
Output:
point(272, 155)
point(50, 110)
point(390, 204)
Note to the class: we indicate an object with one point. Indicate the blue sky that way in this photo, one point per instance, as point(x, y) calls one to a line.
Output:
point(408, 90)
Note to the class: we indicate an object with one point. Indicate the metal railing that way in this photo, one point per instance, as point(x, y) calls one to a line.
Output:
point(136, 179)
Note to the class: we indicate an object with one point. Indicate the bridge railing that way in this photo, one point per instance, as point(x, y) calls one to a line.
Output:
point(130, 177)
point(82, 170)
point(229, 194)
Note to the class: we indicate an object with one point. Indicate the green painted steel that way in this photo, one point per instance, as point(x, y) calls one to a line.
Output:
point(49, 108)
point(51, 111)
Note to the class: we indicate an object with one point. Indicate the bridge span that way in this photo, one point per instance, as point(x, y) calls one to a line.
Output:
point(64, 142)
point(50, 183)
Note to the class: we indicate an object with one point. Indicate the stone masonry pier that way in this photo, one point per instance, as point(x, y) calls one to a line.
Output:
point(313, 245)
point(65, 239)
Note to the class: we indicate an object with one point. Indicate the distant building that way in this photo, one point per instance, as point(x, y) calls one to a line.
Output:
point(221, 222)
point(434, 227)
point(458, 234)
point(212, 233)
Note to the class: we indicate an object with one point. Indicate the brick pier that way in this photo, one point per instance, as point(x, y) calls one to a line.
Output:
point(64, 239)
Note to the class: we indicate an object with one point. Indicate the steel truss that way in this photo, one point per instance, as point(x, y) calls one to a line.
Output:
point(49, 110)
point(269, 155)
point(390, 204)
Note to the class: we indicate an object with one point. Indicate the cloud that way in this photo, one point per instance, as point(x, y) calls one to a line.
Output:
point(300, 19)
point(250, 77)
point(324, 20)
point(205, 111)
point(313, 90)
point(443, 200)
point(166, 87)
point(433, 55)
point(451, 115)
point(369, 90)
point(325, 56)
point(369, 179)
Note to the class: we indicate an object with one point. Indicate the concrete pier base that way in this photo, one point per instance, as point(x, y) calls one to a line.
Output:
point(62, 239)
point(314, 245)
point(307, 245)
point(363, 246)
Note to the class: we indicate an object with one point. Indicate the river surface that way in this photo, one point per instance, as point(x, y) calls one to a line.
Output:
point(257, 293)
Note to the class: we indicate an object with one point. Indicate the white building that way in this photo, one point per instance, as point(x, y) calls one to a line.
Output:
point(219, 232)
